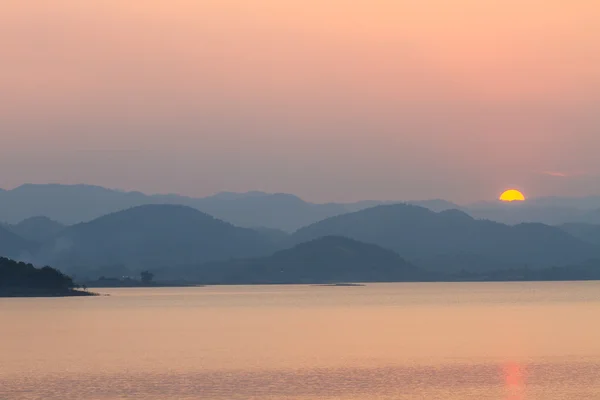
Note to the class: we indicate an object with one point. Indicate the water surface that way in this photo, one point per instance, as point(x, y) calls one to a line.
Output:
point(504, 341)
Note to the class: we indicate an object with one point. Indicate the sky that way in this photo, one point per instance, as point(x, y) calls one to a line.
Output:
point(332, 100)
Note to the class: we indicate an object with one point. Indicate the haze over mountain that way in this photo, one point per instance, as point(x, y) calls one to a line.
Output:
point(37, 229)
point(555, 212)
point(151, 236)
point(120, 236)
point(329, 259)
point(583, 203)
point(170, 235)
point(586, 232)
point(452, 240)
point(83, 203)
point(14, 246)
point(70, 204)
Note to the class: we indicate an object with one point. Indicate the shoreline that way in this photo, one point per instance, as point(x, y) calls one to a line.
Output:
point(45, 293)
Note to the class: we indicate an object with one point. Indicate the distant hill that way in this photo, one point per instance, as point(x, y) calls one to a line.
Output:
point(280, 211)
point(452, 240)
point(324, 260)
point(151, 236)
point(436, 205)
point(20, 279)
point(228, 196)
point(67, 204)
point(14, 246)
point(72, 204)
point(37, 229)
point(586, 232)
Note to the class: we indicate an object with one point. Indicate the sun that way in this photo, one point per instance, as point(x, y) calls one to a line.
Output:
point(512, 195)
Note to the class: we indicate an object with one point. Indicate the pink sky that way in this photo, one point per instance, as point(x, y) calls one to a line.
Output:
point(333, 100)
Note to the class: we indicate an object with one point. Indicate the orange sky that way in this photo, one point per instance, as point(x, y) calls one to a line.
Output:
point(329, 99)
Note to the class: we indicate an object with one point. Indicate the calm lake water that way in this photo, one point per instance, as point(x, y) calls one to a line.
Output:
point(501, 341)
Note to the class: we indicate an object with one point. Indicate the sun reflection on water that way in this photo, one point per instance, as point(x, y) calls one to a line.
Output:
point(514, 381)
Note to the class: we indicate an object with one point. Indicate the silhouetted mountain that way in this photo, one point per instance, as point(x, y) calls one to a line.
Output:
point(20, 279)
point(37, 229)
point(586, 232)
point(436, 205)
point(151, 236)
point(325, 260)
point(452, 240)
point(80, 203)
point(68, 204)
point(14, 246)
point(71, 204)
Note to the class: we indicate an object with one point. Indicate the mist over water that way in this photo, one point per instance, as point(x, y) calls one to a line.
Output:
point(500, 341)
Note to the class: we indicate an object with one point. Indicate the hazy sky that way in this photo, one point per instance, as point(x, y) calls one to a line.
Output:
point(328, 99)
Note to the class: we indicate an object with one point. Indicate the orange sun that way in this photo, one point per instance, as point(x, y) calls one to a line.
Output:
point(512, 195)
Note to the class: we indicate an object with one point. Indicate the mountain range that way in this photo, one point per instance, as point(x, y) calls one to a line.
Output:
point(329, 259)
point(340, 241)
point(453, 240)
point(151, 236)
point(72, 204)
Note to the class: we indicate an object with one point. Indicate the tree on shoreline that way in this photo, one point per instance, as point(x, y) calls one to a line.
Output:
point(19, 275)
point(146, 277)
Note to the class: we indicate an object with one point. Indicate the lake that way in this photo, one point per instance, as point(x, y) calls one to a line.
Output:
point(501, 341)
